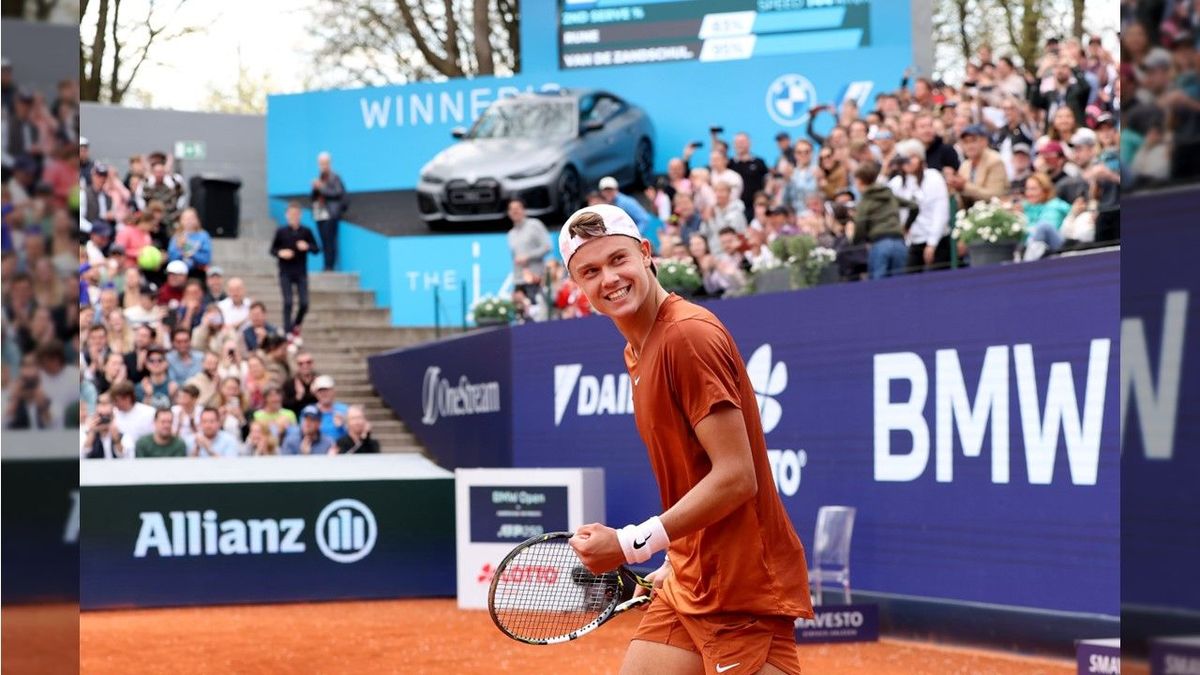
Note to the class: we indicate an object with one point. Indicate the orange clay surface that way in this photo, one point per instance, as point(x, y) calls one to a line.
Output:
point(39, 639)
point(433, 636)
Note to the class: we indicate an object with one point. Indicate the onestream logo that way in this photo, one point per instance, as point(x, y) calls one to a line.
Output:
point(440, 399)
point(346, 532)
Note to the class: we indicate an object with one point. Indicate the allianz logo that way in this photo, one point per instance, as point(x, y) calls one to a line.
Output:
point(612, 394)
point(345, 529)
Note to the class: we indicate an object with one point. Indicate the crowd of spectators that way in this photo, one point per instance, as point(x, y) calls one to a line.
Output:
point(118, 322)
point(880, 186)
point(1159, 91)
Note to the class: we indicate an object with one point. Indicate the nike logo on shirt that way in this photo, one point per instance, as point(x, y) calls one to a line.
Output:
point(636, 380)
point(721, 668)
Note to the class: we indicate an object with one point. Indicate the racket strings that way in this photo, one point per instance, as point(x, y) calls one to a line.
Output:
point(545, 592)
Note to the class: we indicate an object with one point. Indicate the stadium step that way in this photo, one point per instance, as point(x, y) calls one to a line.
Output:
point(342, 328)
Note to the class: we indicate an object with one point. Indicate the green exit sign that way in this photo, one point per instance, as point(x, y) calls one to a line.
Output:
point(190, 150)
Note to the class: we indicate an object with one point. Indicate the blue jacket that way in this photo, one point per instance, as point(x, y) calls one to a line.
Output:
point(198, 245)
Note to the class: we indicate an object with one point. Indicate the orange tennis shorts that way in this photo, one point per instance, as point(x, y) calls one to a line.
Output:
point(733, 643)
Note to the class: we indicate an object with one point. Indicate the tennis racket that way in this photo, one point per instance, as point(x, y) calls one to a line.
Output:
point(541, 593)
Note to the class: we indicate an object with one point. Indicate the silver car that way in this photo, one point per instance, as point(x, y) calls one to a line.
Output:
point(548, 149)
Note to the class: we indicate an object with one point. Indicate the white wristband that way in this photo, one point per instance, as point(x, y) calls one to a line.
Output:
point(639, 542)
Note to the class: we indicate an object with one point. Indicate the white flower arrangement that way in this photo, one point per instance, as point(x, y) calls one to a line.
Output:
point(989, 222)
point(493, 308)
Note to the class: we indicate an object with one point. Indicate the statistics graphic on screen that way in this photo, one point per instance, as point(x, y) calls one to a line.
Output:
point(622, 32)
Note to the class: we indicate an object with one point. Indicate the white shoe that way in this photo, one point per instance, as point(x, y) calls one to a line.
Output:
point(1035, 250)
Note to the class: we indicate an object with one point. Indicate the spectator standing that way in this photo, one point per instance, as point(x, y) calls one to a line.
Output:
point(358, 435)
point(161, 442)
point(982, 175)
point(212, 441)
point(163, 187)
point(928, 240)
point(727, 212)
point(528, 240)
point(329, 204)
point(938, 154)
point(610, 190)
point(752, 170)
point(307, 438)
point(718, 167)
point(291, 245)
point(877, 216)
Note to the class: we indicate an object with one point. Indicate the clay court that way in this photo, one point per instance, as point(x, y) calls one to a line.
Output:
point(433, 636)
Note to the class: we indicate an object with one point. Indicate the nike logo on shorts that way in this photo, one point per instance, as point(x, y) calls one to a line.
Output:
point(721, 668)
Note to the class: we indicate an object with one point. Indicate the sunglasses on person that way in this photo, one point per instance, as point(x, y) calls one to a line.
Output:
point(156, 360)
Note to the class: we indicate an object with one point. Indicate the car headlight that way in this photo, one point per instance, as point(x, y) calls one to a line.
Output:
point(535, 171)
point(429, 177)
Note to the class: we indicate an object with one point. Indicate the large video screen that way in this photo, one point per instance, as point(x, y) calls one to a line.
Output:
point(594, 33)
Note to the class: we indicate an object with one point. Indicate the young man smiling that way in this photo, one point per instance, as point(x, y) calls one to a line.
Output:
point(735, 576)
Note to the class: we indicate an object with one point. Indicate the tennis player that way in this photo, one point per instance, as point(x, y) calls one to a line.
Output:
point(735, 577)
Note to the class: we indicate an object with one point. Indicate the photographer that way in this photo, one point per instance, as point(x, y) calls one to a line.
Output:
point(928, 243)
point(101, 438)
point(28, 405)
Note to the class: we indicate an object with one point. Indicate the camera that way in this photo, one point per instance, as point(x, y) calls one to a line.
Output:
point(104, 419)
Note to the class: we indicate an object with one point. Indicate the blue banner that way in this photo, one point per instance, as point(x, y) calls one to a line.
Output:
point(456, 396)
point(972, 420)
point(1160, 309)
point(761, 76)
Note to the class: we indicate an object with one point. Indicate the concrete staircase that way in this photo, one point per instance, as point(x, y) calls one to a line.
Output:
point(342, 328)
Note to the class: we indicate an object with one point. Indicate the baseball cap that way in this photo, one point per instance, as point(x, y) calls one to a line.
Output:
point(1022, 148)
point(1083, 136)
point(1103, 118)
point(310, 411)
point(105, 230)
point(83, 140)
point(974, 130)
point(101, 169)
point(1157, 58)
point(609, 183)
point(1052, 148)
point(215, 271)
point(616, 221)
point(883, 134)
point(322, 382)
point(177, 267)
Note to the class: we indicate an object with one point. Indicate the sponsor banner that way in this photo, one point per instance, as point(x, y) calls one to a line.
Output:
point(39, 533)
point(456, 395)
point(977, 436)
point(511, 514)
point(839, 623)
point(752, 83)
point(1098, 656)
point(1160, 470)
point(496, 509)
point(1175, 656)
point(193, 544)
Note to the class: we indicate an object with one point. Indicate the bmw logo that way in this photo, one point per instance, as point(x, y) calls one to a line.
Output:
point(789, 99)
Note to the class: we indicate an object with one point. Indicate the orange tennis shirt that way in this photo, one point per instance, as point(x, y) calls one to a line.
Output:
point(751, 561)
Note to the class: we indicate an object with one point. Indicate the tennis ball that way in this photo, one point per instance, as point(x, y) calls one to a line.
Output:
point(150, 258)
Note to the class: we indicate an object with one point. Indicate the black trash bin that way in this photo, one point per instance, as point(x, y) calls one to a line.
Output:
point(217, 202)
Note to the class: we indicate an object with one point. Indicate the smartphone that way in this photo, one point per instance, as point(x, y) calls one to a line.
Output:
point(717, 130)
point(697, 144)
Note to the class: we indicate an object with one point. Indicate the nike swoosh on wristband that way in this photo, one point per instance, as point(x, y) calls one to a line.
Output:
point(721, 668)
point(639, 544)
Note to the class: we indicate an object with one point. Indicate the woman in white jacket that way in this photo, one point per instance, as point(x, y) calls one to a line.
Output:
point(928, 239)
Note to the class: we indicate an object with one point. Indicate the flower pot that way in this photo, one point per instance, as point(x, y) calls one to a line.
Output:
point(491, 321)
point(829, 275)
point(992, 253)
point(775, 279)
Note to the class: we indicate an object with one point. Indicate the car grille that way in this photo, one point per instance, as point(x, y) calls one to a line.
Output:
point(536, 198)
point(470, 199)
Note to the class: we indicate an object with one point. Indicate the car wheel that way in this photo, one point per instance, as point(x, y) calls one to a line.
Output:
point(569, 192)
point(643, 164)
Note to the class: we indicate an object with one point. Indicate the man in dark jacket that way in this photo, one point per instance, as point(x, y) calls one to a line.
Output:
point(291, 246)
point(329, 204)
point(878, 218)
point(1067, 87)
